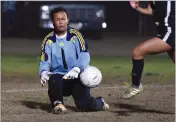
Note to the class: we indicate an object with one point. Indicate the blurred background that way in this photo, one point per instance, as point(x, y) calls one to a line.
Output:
point(30, 19)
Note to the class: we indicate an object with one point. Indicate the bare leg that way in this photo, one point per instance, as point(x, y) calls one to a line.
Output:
point(171, 54)
point(151, 46)
point(154, 45)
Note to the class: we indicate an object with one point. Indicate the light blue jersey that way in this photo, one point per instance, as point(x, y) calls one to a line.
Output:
point(60, 54)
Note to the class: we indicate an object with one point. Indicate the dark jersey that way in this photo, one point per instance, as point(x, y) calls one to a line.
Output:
point(164, 13)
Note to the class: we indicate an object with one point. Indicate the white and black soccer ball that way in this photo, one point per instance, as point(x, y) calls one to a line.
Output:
point(91, 77)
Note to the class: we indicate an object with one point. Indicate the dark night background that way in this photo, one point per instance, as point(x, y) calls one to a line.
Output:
point(120, 18)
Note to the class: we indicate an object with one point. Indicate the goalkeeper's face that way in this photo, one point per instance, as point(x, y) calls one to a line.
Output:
point(60, 21)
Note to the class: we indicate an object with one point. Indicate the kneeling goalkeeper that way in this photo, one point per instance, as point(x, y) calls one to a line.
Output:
point(64, 56)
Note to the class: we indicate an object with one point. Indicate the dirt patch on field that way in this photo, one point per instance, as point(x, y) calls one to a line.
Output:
point(29, 103)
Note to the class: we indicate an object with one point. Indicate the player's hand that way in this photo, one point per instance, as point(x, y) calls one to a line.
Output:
point(72, 74)
point(134, 4)
point(45, 77)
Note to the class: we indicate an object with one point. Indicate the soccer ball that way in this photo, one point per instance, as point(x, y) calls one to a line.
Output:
point(91, 77)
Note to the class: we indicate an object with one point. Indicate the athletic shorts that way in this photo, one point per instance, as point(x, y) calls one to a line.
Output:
point(167, 35)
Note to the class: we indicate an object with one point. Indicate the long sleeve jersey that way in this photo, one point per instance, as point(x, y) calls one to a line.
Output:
point(60, 55)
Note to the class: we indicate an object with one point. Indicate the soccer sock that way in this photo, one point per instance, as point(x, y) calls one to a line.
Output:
point(137, 71)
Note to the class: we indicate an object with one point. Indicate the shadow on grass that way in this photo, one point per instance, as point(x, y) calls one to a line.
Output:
point(130, 108)
point(44, 106)
point(152, 74)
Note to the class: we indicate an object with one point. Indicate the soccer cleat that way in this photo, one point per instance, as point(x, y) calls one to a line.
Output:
point(105, 105)
point(60, 108)
point(132, 92)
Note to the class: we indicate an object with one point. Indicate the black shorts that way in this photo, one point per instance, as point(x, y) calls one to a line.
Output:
point(168, 36)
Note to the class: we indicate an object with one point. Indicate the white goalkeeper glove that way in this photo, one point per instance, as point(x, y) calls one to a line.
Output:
point(72, 74)
point(45, 77)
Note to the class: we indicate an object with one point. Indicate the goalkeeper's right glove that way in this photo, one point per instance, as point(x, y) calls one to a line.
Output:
point(45, 77)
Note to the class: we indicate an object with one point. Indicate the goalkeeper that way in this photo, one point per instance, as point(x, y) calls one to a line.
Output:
point(64, 56)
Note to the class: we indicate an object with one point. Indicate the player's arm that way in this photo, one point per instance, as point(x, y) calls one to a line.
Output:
point(82, 54)
point(82, 50)
point(135, 5)
point(45, 59)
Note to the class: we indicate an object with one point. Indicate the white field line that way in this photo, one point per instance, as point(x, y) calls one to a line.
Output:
point(102, 87)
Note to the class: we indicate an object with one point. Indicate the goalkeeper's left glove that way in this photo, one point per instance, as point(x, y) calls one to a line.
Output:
point(72, 74)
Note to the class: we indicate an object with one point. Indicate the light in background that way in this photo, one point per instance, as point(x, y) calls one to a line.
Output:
point(81, 16)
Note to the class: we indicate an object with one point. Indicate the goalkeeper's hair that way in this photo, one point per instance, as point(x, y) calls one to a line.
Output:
point(58, 9)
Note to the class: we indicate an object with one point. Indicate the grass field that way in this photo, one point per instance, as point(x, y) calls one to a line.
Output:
point(114, 69)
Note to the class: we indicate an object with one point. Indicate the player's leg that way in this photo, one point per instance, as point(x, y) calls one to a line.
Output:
point(84, 101)
point(151, 46)
point(55, 93)
point(171, 42)
point(171, 54)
